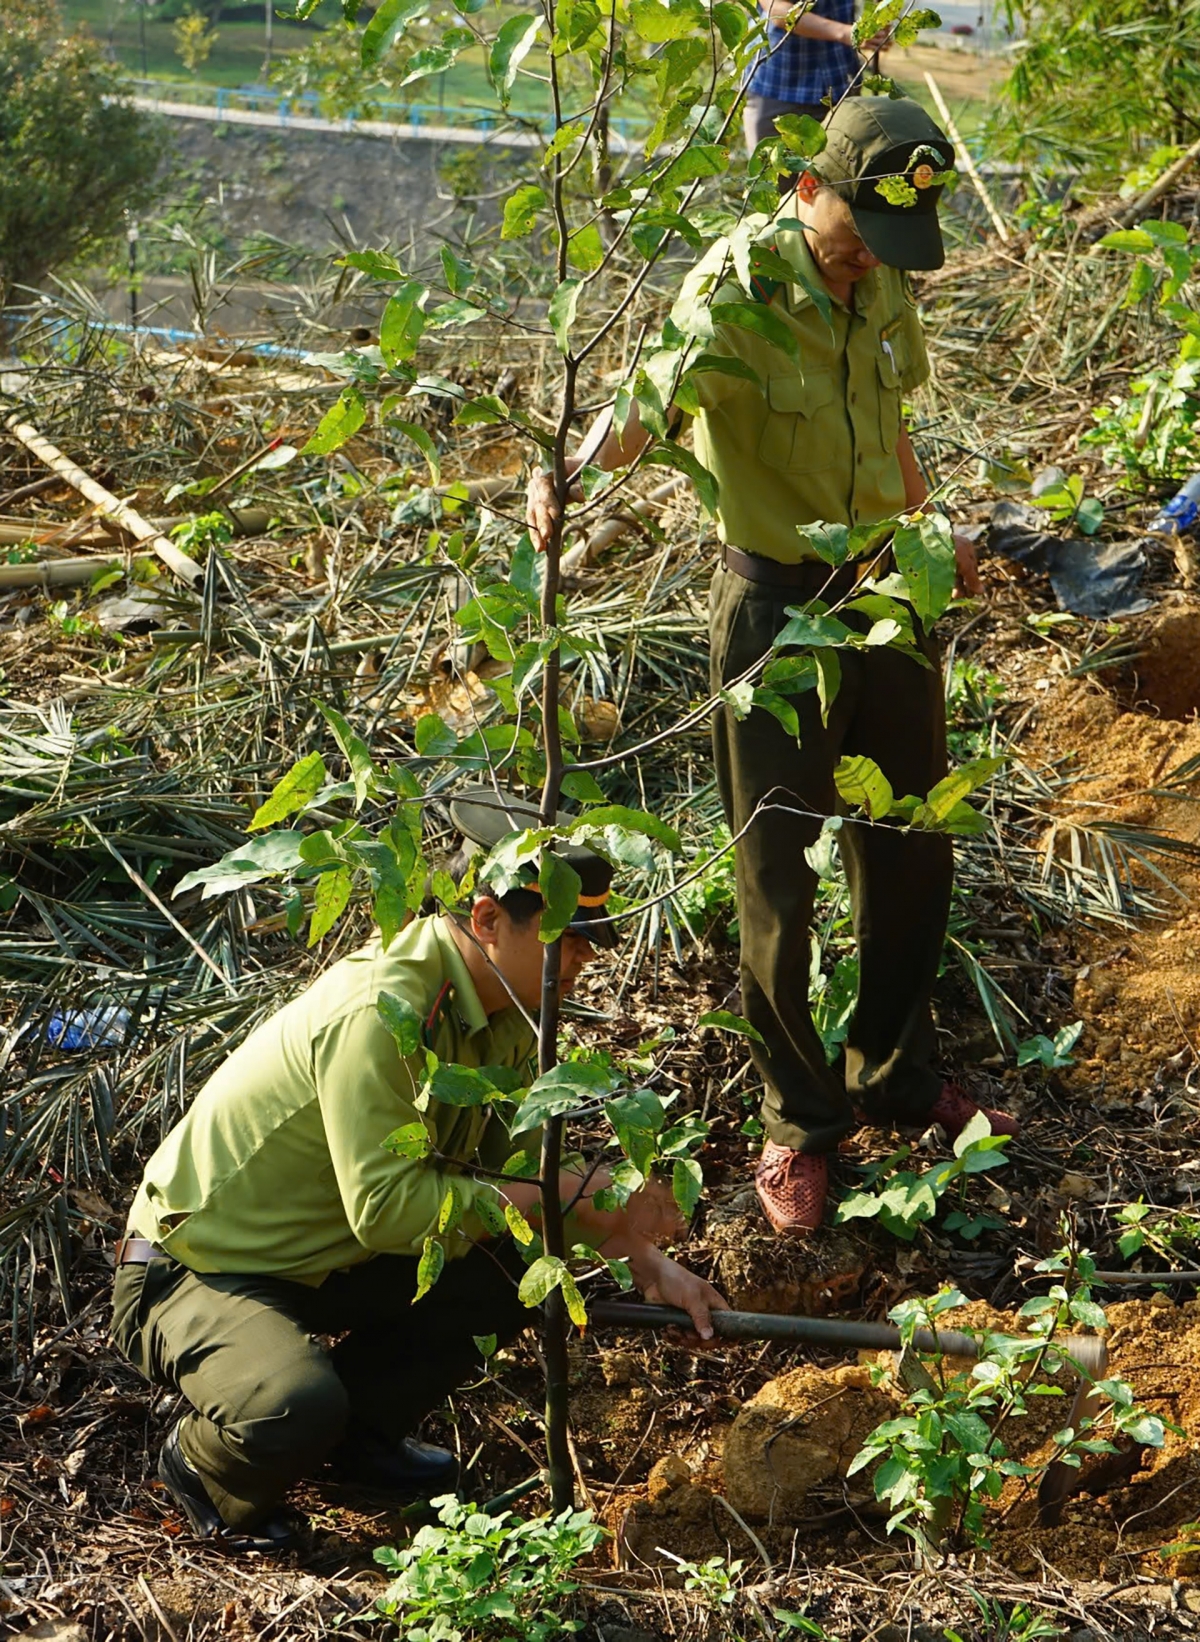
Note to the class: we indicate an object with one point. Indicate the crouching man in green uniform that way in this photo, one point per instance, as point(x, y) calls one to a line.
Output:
point(820, 436)
point(273, 1212)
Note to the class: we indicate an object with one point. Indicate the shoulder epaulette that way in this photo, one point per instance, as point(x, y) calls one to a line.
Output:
point(435, 1014)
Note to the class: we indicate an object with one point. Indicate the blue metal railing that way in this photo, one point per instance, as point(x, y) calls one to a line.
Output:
point(260, 99)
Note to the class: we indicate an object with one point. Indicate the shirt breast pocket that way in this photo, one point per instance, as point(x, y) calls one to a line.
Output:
point(791, 437)
point(889, 400)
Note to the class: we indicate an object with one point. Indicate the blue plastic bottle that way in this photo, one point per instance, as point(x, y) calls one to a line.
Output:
point(1181, 513)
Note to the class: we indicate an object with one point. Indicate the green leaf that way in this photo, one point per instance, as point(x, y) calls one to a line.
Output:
point(619, 815)
point(329, 902)
point(561, 312)
point(559, 884)
point(520, 211)
point(658, 23)
point(450, 1211)
point(437, 59)
point(419, 437)
point(295, 791)
point(339, 423)
point(388, 21)
point(410, 1140)
point(485, 1345)
point(780, 707)
point(585, 249)
point(802, 134)
point(545, 1275)
point(925, 558)
point(564, 1089)
point(402, 1021)
point(724, 1021)
point(517, 1224)
point(861, 782)
point(563, 138)
point(966, 779)
point(375, 264)
point(433, 737)
point(687, 1183)
point(694, 163)
point(576, 1310)
point(670, 455)
point(266, 857)
point(509, 50)
point(756, 317)
point(829, 679)
point(429, 1267)
point(402, 323)
point(1127, 239)
point(461, 1086)
point(355, 751)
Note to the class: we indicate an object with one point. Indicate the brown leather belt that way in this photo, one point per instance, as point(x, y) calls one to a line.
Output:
point(139, 1251)
point(810, 573)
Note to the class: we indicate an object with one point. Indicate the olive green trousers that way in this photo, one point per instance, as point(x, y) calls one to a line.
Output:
point(269, 1402)
point(891, 709)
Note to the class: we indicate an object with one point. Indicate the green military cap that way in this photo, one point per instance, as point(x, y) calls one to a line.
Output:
point(888, 160)
point(485, 818)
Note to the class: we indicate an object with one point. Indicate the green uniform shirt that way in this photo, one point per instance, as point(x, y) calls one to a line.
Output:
point(279, 1165)
point(818, 439)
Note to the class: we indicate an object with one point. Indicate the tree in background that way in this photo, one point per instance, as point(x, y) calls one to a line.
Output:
point(72, 159)
point(1099, 84)
point(194, 39)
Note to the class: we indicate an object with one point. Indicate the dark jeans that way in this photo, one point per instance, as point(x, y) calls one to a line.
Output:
point(269, 1402)
point(892, 710)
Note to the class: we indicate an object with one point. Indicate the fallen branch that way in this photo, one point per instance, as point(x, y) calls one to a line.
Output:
point(143, 533)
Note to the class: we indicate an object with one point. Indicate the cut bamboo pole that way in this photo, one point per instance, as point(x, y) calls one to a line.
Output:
point(143, 533)
point(58, 572)
point(964, 159)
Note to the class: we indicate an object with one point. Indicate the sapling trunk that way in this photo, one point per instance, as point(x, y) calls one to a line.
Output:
point(554, 1325)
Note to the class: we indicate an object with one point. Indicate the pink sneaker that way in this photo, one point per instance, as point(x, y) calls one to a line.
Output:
point(792, 1188)
point(954, 1110)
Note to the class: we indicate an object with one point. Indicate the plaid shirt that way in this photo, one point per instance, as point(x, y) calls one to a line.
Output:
point(805, 71)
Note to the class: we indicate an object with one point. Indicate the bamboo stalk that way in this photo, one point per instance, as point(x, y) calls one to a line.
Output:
point(965, 160)
point(57, 572)
point(140, 529)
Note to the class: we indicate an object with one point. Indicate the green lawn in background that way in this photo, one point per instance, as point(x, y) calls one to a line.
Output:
point(238, 53)
point(969, 82)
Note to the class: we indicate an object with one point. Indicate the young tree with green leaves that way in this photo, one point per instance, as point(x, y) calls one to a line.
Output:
point(73, 156)
point(595, 226)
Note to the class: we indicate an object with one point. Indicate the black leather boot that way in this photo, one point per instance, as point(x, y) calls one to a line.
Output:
point(412, 1469)
point(278, 1532)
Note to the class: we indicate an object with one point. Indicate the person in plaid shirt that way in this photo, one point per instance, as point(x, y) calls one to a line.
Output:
point(805, 69)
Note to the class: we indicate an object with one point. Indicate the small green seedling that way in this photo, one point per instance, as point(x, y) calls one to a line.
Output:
point(1061, 495)
point(483, 1578)
point(1051, 1053)
point(902, 1201)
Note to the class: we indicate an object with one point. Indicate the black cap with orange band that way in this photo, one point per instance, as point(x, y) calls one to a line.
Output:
point(485, 818)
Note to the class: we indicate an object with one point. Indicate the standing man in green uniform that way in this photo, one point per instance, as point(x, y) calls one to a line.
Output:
point(273, 1212)
point(824, 439)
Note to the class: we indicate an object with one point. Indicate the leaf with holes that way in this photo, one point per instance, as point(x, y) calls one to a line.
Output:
point(329, 902)
point(339, 423)
point(429, 1267)
point(401, 1020)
